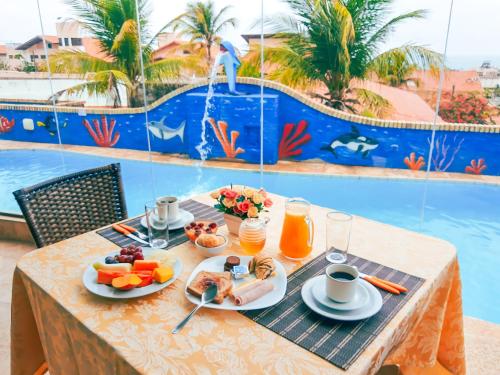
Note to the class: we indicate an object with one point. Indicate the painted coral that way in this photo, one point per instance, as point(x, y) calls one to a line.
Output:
point(476, 167)
point(445, 151)
point(292, 138)
point(102, 133)
point(229, 147)
point(414, 164)
point(6, 125)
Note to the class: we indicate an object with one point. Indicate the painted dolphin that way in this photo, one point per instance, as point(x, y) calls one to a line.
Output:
point(160, 130)
point(353, 141)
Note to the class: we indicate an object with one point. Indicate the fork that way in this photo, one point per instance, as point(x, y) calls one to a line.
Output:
point(132, 230)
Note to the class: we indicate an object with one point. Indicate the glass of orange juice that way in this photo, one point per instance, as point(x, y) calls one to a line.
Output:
point(298, 229)
point(252, 235)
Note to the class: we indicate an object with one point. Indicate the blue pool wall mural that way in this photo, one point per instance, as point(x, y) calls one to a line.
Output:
point(295, 128)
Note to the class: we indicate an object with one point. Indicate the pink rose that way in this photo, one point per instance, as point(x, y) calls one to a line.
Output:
point(230, 194)
point(268, 203)
point(243, 206)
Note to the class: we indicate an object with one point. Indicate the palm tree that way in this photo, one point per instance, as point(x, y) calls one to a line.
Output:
point(330, 42)
point(202, 23)
point(114, 23)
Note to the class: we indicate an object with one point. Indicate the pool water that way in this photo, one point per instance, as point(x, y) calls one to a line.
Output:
point(466, 214)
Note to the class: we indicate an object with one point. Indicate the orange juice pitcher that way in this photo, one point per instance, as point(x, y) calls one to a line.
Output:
point(298, 229)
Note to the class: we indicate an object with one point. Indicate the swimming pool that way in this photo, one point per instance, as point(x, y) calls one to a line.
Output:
point(468, 215)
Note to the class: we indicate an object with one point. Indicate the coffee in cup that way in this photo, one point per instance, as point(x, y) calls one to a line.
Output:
point(341, 282)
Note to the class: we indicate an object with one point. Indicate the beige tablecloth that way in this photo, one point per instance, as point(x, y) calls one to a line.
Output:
point(55, 318)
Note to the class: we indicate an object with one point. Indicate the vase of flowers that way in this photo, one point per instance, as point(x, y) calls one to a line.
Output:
point(239, 203)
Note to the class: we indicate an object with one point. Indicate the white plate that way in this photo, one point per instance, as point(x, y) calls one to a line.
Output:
point(184, 218)
point(90, 281)
point(372, 307)
point(319, 293)
point(216, 264)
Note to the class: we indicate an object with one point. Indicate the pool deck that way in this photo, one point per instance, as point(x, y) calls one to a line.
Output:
point(317, 167)
point(482, 339)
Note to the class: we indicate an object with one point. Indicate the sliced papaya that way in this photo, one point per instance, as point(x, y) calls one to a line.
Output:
point(150, 265)
point(126, 282)
point(107, 276)
point(141, 273)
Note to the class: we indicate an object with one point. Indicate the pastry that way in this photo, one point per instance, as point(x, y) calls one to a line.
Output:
point(231, 261)
point(262, 265)
point(210, 240)
point(204, 279)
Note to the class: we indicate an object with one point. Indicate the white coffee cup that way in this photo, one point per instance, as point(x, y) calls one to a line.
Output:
point(162, 210)
point(338, 288)
point(171, 210)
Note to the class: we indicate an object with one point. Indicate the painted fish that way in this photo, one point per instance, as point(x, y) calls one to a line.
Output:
point(49, 125)
point(353, 141)
point(160, 130)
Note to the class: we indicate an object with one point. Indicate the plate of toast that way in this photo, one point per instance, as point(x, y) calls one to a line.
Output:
point(243, 282)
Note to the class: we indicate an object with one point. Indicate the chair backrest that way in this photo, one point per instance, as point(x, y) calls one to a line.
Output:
point(74, 204)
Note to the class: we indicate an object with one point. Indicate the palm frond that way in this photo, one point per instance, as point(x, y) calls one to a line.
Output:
point(373, 102)
point(105, 83)
point(78, 62)
point(381, 34)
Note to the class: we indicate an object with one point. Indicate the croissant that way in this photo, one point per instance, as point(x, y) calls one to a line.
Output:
point(262, 265)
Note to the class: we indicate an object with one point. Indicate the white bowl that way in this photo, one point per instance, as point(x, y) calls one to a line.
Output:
point(212, 251)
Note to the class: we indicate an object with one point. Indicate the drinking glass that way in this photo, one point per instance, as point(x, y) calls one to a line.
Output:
point(157, 229)
point(338, 235)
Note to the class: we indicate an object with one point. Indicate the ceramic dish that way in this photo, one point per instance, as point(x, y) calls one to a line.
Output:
point(103, 290)
point(216, 264)
point(319, 294)
point(212, 251)
point(184, 218)
point(370, 308)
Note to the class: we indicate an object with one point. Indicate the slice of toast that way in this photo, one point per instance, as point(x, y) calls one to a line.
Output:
point(204, 278)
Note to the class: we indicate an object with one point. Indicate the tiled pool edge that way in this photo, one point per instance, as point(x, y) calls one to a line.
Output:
point(285, 167)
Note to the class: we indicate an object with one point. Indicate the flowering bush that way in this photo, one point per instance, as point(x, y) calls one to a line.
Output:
point(465, 108)
point(242, 202)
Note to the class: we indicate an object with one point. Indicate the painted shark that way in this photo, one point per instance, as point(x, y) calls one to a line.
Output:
point(160, 130)
point(353, 141)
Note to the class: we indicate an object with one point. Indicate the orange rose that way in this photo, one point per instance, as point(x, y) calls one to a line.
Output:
point(257, 198)
point(228, 202)
point(215, 195)
point(253, 212)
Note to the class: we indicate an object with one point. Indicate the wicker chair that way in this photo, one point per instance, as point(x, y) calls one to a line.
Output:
point(74, 204)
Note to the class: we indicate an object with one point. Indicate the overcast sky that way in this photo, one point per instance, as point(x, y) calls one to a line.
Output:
point(474, 36)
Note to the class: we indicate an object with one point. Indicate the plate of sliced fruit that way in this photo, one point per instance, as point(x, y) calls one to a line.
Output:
point(132, 272)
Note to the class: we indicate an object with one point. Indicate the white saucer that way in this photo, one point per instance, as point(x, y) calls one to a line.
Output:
point(319, 293)
point(183, 218)
point(370, 308)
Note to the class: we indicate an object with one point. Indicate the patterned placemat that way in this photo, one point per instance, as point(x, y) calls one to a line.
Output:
point(340, 343)
point(176, 237)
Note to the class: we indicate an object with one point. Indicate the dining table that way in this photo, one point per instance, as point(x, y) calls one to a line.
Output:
point(56, 320)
